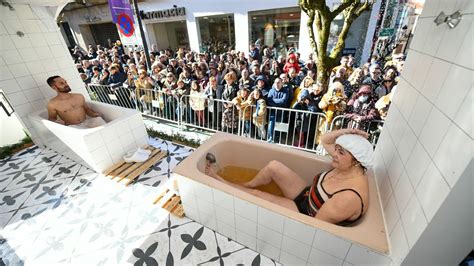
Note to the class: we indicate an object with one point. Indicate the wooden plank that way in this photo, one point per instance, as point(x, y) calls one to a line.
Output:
point(122, 168)
point(162, 194)
point(113, 167)
point(120, 163)
point(145, 166)
point(172, 203)
point(132, 168)
point(179, 211)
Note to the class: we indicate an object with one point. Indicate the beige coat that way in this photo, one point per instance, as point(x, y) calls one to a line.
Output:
point(260, 117)
point(245, 111)
point(197, 100)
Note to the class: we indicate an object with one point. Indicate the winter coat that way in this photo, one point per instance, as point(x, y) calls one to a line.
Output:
point(230, 116)
point(277, 98)
point(289, 65)
point(117, 79)
point(244, 107)
point(332, 104)
point(197, 100)
point(361, 114)
point(297, 96)
point(144, 88)
point(260, 113)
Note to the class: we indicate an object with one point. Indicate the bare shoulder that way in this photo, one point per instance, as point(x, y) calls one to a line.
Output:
point(52, 102)
point(77, 95)
point(78, 98)
point(346, 201)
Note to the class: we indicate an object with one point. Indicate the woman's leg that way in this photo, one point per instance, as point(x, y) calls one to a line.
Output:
point(203, 119)
point(282, 201)
point(289, 182)
point(264, 132)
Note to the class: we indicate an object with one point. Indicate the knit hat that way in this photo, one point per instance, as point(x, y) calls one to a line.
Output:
point(359, 147)
point(261, 77)
point(364, 89)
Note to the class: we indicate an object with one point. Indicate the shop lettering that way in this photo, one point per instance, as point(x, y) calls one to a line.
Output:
point(166, 13)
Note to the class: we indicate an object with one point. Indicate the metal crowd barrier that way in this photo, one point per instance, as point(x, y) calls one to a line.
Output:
point(119, 96)
point(160, 104)
point(217, 115)
point(373, 127)
point(288, 127)
point(152, 102)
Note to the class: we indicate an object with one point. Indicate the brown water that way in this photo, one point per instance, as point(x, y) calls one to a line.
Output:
point(241, 175)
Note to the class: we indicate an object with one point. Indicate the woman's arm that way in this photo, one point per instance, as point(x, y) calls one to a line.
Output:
point(340, 207)
point(329, 139)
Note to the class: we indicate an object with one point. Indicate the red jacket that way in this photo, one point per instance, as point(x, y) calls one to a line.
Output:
point(289, 65)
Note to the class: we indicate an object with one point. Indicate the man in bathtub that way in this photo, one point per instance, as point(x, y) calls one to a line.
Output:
point(70, 107)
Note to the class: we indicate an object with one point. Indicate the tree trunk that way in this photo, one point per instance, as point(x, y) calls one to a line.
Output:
point(324, 66)
point(323, 76)
point(321, 15)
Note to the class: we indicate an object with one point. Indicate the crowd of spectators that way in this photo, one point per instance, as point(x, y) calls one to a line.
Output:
point(221, 87)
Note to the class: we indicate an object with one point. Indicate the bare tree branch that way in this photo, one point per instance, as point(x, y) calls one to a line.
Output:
point(341, 7)
point(321, 16)
point(366, 6)
point(341, 38)
point(309, 24)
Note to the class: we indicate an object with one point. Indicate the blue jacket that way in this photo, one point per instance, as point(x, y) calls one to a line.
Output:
point(278, 98)
point(117, 79)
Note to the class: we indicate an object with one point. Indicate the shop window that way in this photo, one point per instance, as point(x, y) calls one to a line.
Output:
point(278, 28)
point(217, 33)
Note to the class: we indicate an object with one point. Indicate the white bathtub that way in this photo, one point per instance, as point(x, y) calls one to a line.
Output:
point(279, 233)
point(99, 147)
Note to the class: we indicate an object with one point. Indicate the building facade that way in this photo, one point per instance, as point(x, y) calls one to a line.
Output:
point(89, 25)
point(207, 26)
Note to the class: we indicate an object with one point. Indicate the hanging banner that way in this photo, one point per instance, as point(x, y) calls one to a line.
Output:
point(118, 7)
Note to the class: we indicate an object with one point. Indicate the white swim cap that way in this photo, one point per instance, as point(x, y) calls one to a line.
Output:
point(359, 147)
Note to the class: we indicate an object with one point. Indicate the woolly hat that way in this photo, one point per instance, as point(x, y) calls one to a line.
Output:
point(364, 89)
point(261, 77)
point(359, 147)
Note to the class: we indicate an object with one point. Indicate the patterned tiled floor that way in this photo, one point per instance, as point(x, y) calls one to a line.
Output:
point(54, 211)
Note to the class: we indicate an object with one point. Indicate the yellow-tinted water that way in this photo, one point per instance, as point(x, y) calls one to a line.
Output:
point(241, 175)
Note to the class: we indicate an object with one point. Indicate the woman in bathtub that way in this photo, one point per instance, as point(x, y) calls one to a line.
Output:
point(339, 196)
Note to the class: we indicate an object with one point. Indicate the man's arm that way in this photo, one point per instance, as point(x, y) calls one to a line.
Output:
point(53, 114)
point(87, 109)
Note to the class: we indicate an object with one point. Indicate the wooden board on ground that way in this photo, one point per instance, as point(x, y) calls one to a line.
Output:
point(130, 171)
point(109, 171)
point(173, 204)
point(145, 165)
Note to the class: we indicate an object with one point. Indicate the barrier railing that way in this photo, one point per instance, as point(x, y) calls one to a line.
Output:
point(210, 114)
point(152, 102)
point(373, 127)
point(289, 127)
point(119, 96)
point(160, 104)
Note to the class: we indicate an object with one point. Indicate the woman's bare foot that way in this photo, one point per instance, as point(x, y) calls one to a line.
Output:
point(248, 184)
point(210, 172)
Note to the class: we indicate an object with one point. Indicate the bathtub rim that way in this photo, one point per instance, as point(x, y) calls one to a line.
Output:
point(190, 164)
point(126, 112)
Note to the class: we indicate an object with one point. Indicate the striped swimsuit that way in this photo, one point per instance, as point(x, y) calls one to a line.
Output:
point(312, 198)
